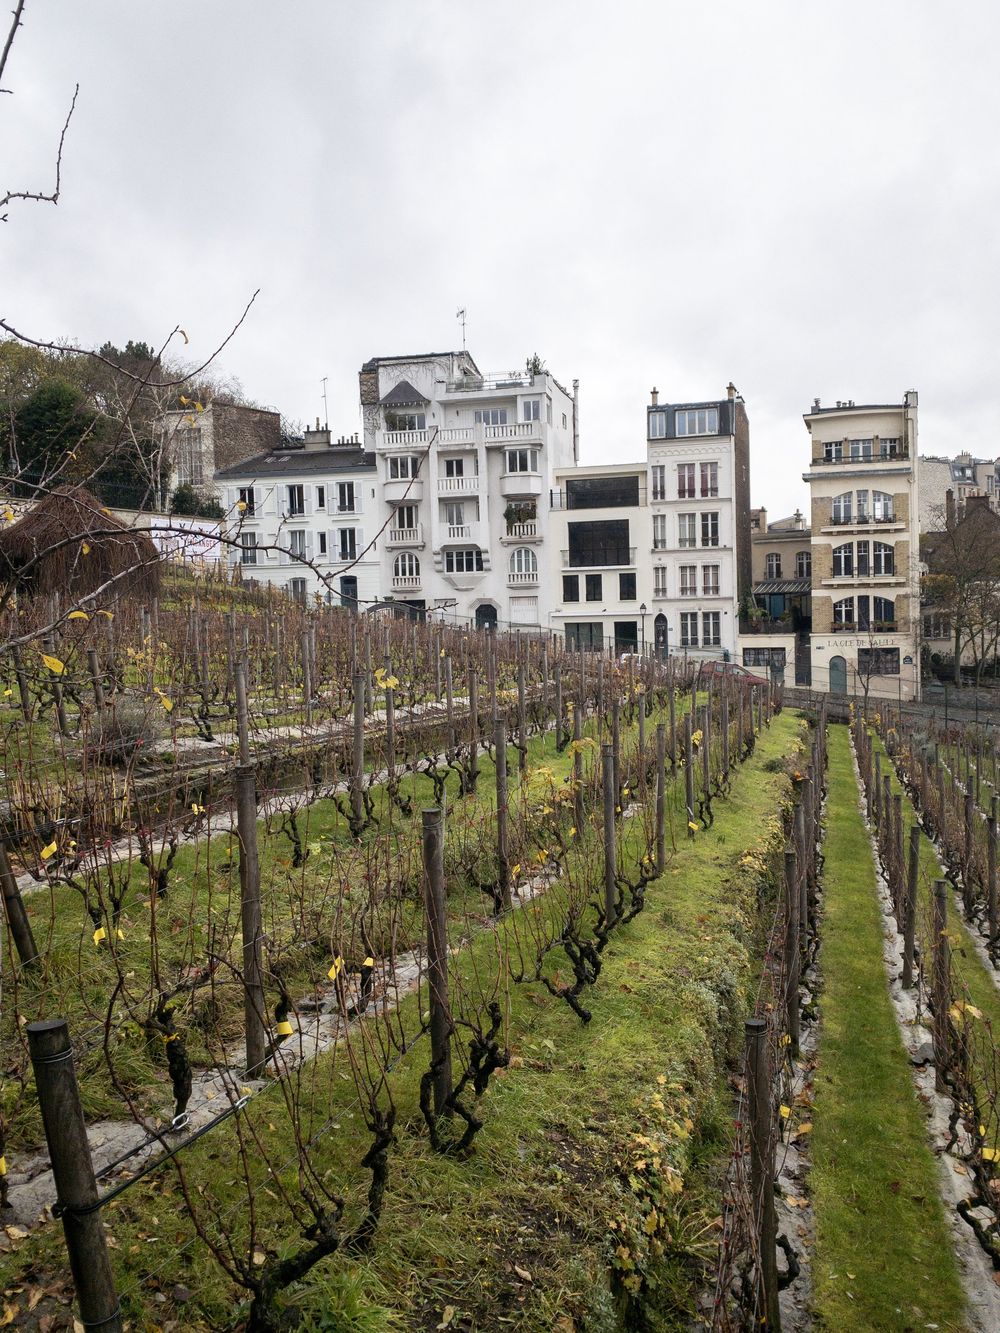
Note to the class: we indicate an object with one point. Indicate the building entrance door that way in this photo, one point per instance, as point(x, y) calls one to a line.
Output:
point(838, 675)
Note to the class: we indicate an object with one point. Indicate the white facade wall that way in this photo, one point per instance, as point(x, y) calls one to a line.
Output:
point(459, 544)
point(326, 535)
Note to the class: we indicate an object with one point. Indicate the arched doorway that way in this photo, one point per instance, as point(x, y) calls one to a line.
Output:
point(838, 675)
point(661, 633)
point(486, 616)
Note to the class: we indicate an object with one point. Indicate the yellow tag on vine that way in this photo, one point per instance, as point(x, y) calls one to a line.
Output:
point(369, 962)
point(48, 851)
point(99, 934)
point(78, 615)
point(336, 969)
point(283, 1029)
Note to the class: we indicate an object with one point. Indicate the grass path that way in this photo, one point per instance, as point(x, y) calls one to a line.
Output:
point(884, 1258)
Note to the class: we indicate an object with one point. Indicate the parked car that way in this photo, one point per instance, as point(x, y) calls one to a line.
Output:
point(731, 669)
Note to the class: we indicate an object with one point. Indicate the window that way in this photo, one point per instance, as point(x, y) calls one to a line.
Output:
point(406, 517)
point(659, 471)
point(878, 662)
point(689, 629)
point(843, 613)
point(349, 591)
point(320, 497)
point(882, 508)
point(347, 543)
point(616, 492)
point(771, 658)
point(686, 530)
point(571, 588)
point(889, 447)
point(697, 421)
point(406, 566)
point(711, 631)
point(884, 558)
point(531, 409)
point(524, 564)
point(843, 560)
point(491, 416)
point(564, 420)
point(803, 564)
point(594, 585)
point(189, 457)
point(321, 537)
point(861, 451)
point(601, 542)
point(297, 589)
point(657, 425)
point(297, 542)
point(689, 580)
point(626, 587)
point(405, 421)
point(861, 498)
point(403, 466)
point(883, 611)
point(937, 625)
point(709, 480)
point(772, 565)
point(522, 460)
point(863, 568)
point(296, 500)
point(659, 580)
point(248, 548)
point(659, 532)
point(454, 467)
point(685, 481)
point(347, 497)
point(454, 513)
point(842, 507)
point(466, 560)
point(710, 580)
point(247, 500)
point(833, 451)
point(710, 529)
point(587, 636)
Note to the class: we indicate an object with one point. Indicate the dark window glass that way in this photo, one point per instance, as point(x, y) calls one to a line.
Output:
point(585, 635)
point(595, 583)
point(571, 587)
point(599, 543)
point(602, 492)
point(878, 661)
point(626, 587)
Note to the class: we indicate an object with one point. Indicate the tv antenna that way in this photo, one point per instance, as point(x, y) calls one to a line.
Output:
point(326, 414)
point(460, 314)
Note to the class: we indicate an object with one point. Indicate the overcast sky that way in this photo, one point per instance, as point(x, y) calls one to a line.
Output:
point(801, 198)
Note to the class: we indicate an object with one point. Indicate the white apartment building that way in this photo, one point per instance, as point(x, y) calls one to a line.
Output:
point(699, 502)
point(865, 548)
point(466, 463)
point(312, 501)
point(600, 527)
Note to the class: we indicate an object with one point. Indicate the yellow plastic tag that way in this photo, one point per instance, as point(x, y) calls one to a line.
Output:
point(100, 934)
point(283, 1029)
point(166, 1037)
point(336, 969)
point(3, 1166)
point(369, 962)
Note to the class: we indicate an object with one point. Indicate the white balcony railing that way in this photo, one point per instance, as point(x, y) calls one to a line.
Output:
point(459, 532)
point(522, 578)
point(402, 439)
point(514, 430)
point(458, 485)
point(405, 536)
point(522, 531)
point(457, 435)
point(405, 582)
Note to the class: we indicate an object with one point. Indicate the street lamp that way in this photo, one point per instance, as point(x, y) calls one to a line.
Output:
point(642, 612)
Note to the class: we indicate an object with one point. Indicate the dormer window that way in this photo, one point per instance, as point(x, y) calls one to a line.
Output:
point(697, 421)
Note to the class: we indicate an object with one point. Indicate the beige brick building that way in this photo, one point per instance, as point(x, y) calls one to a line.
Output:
point(865, 548)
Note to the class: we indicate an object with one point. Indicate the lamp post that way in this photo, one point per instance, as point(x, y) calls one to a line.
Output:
point(642, 612)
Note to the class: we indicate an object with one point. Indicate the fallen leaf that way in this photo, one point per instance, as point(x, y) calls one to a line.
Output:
point(522, 1273)
point(447, 1315)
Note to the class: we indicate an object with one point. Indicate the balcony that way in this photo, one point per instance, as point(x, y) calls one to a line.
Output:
point(457, 437)
point(458, 532)
point(404, 537)
point(496, 379)
point(877, 456)
point(527, 578)
point(612, 559)
point(513, 430)
point(396, 490)
point(520, 485)
point(459, 485)
point(406, 582)
point(522, 532)
point(405, 439)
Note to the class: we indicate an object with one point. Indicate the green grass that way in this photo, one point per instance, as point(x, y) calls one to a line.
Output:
point(559, 1184)
point(883, 1256)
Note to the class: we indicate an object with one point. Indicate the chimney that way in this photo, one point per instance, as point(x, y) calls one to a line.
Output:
point(815, 404)
point(949, 508)
point(654, 397)
point(730, 391)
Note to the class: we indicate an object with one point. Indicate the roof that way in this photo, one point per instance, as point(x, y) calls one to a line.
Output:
point(790, 587)
point(294, 462)
point(374, 362)
point(403, 394)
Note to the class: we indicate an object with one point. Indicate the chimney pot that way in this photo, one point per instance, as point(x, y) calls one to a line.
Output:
point(654, 396)
point(731, 390)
